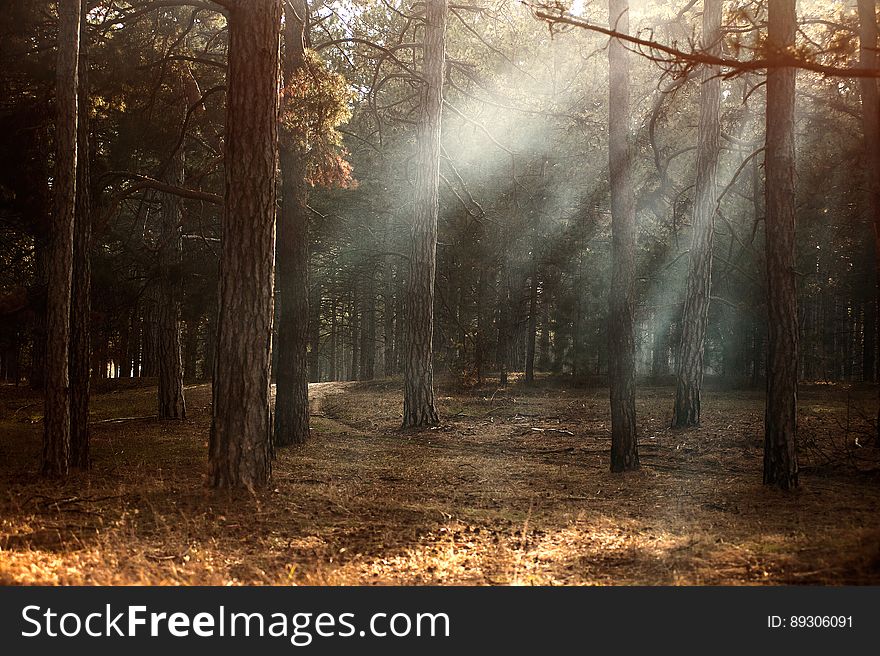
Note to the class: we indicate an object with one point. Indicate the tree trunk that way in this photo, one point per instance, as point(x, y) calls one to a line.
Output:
point(660, 349)
point(333, 375)
point(695, 318)
point(621, 330)
point(533, 325)
point(544, 357)
point(869, 57)
point(418, 399)
point(241, 431)
point(368, 331)
point(292, 254)
point(37, 376)
point(81, 308)
point(191, 350)
point(504, 323)
point(355, 334)
point(56, 422)
point(149, 362)
point(780, 450)
point(388, 316)
point(315, 333)
point(480, 341)
point(172, 404)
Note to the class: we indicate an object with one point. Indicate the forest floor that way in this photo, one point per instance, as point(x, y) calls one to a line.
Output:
point(512, 488)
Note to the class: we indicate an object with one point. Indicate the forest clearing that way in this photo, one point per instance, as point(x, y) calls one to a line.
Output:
point(512, 488)
point(411, 292)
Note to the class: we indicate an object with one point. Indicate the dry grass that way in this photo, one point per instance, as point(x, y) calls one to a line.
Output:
point(513, 488)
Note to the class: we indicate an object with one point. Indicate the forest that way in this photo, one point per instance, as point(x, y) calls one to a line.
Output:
point(427, 292)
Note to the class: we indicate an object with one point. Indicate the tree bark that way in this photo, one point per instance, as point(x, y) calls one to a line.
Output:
point(418, 401)
point(695, 319)
point(81, 307)
point(56, 422)
point(869, 57)
point(292, 255)
point(241, 431)
point(621, 330)
point(780, 447)
point(172, 404)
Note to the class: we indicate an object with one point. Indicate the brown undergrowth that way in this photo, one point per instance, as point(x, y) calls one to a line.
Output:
point(512, 488)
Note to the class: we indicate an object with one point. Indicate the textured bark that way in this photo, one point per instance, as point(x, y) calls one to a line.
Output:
point(695, 318)
point(621, 329)
point(81, 305)
point(292, 257)
point(869, 57)
point(780, 449)
point(172, 404)
point(418, 399)
point(56, 429)
point(241, 431)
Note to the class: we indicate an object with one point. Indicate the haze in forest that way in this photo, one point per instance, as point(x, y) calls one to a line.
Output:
point(634, 243)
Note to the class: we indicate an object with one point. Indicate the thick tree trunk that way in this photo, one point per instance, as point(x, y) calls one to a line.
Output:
point(780, 445)
point(292, 254)
point(869, 57)
point(621, 330)
point(418, 398)
point(172, 404)
point(81, 307)
point(56, 429)
point(695, 319)
point(241, 432)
